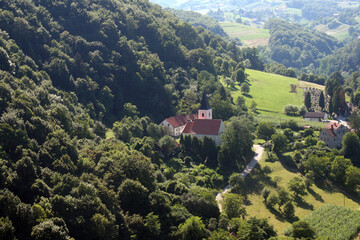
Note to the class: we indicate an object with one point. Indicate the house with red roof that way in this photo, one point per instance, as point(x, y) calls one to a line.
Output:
point(204, 125)
point(333, 134)
point(174, 125)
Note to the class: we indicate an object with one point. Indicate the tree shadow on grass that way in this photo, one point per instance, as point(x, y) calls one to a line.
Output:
point(256, 181)
point(247, 95)
point(280, 216)
point(288, 163)
point(330, 187)
point(325, 185)
point(300, 202)
point(315, 195)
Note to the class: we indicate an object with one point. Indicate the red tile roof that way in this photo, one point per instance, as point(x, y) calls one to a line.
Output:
point(331, 126)
point(180, 120)
point(203, 127)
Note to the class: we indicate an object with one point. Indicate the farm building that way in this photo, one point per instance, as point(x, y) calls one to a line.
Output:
point(174, 125)
point(315, 116)
point(333, 134)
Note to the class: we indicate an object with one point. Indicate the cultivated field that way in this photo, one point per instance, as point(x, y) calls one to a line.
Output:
point(250, 36)
point(335, 222)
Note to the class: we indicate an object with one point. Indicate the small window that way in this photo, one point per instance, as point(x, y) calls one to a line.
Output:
point(202, 114)
point(168, 125)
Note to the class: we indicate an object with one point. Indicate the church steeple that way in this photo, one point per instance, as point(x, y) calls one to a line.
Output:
point(205, 111)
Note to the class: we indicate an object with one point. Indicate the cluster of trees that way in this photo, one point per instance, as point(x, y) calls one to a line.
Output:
point(293, 110)
point(280, 69)
point(345, 59)
point(197, 19)
point(334, 89)
point(297, 47)
point(312, 78)
point(313, 10)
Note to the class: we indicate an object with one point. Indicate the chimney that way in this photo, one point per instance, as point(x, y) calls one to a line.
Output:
point(332, 127)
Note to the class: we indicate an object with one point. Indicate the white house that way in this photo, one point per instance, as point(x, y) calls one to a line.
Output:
point(315, 116)
point(174, 125)
point(204, 125)
point(333, 134)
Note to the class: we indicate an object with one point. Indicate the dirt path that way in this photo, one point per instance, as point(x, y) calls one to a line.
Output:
point(259, 150)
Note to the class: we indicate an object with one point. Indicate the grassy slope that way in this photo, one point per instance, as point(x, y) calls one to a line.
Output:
point(250, 36)
point(271, 92)
point(317, 197)
point(341, 32)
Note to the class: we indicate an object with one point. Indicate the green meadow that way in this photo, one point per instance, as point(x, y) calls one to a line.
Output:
point(318, 195)
point(250, 36)
point(271, 92)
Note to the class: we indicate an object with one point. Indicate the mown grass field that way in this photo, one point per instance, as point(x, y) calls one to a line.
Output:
point(250, 36)
point(317, 196)
point(271, 92)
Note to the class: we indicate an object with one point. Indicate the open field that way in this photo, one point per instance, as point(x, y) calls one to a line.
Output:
point(271, 92)
point(303, 84)
point(341, 32)
point(249, 36)
point(318, 195)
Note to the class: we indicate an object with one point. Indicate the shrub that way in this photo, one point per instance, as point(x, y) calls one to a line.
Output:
point(291, 110)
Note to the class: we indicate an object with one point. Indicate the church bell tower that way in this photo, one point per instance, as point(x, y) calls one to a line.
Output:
point(205, 111)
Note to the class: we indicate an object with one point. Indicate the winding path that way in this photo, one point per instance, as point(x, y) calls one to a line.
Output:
point(259, 150)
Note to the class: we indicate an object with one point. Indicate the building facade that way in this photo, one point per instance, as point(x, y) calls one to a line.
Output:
point(333, 134)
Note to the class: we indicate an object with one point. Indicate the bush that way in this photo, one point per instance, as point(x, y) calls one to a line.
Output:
point(289, 210)
point(291, 110)
point(272, 200)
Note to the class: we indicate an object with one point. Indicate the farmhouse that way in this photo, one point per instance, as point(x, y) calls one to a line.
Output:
point(333, 134)
point(174, 125)
point(204, 125)
point(315, 116)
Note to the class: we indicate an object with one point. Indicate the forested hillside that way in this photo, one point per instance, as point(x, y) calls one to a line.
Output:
point(345, 59)
point(295, 46)
point(68, 67)
point(196, 19)
point(113, 52)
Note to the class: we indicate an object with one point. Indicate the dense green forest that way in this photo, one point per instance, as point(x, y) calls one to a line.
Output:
point(73, 72)
point(197, 19)
point(68, 68)
point(295, 46)
point(111, 53)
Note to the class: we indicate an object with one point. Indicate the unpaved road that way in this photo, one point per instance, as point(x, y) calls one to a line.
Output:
point(259, 150)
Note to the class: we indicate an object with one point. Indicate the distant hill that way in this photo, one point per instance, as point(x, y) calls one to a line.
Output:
point(249, 36)
point(296, 46)
point(197, 19)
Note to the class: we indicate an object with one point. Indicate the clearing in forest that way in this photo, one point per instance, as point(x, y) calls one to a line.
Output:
point(250, 36)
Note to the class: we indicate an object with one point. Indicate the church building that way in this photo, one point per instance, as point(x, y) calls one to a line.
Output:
point(204, 125)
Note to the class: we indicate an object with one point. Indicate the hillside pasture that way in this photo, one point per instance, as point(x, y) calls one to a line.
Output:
point(250, 36)
point(271, 92)
point(318, 195)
